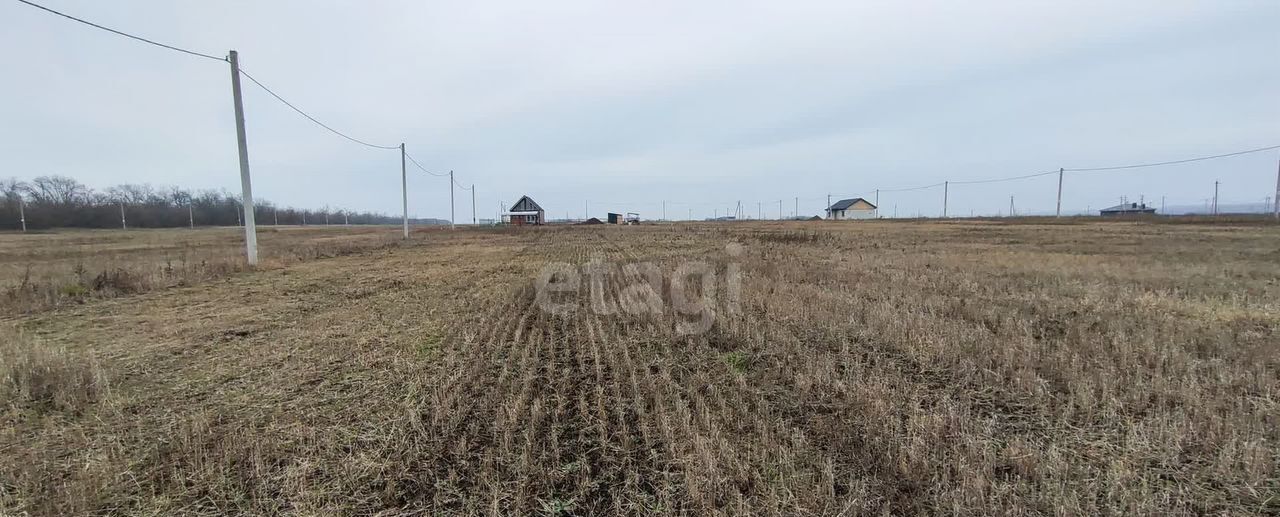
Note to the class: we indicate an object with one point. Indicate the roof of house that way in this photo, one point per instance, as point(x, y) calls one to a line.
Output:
point(1130, 207)
point(846, 203)
point(530, 206)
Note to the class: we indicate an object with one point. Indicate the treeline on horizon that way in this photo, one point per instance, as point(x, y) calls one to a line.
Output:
point(63, 202)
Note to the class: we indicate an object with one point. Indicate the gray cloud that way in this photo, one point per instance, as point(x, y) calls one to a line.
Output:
point(701, 105)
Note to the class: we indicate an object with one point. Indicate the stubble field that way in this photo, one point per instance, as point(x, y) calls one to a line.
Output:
point(750, 368)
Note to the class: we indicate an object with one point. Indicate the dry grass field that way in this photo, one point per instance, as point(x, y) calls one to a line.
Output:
point(45, 269)
point(959, 367)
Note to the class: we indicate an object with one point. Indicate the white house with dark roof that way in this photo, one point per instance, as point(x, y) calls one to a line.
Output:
point(855, 208)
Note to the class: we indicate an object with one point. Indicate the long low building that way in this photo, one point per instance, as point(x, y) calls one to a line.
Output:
point(1128, 209)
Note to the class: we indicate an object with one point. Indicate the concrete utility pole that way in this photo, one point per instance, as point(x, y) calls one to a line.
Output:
point(304, 217)
point(326, 216)
point(473, 205)
point(1275, 201)
point(1060, 171)
point(664, 210)
point(779, 209)
point(828, 206)
point(452, 225)
point(1010, 206)
point(191, 216)
point(946, 188)
point(346, 218)
point(586, 210)
point(1161, 205)
point(760, 210)
point(123, 224)
point(275, 216)
point(242, 145)
point(404, 193)
point(877, 210)
point(797, 212)
point(690, 214)
point(1215, 197)
point(22, 213)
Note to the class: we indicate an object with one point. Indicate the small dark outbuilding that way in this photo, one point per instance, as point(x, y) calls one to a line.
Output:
point(1128, 209)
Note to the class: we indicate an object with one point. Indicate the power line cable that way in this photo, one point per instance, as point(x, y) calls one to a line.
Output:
point(208, 56)
point(997, 180)
point(1197, 159)
point(908, 189)
point(119, 33)
point(313, 119)
point(420, 167)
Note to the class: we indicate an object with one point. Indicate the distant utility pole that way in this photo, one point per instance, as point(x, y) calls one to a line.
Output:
point(779, 209)
point(1010, 206)
point(1161, 205)
point(797, 212)
point(946, 188)
point(191, 216)
point(304, 217)
point(473, 205)
point(326, 216)
point(346, 218)
point(242, 145)
point(690, 214)
point(828, 206)
point(664, 210)
point(452, 226)
point(1275, 201)
point(586, 210)
point(22, 213)
point(877, 210)
point(1215, 197)
point(275, 216)
point(759, 210)
point(1060, 171)
point(123, 224)
point(404, 192)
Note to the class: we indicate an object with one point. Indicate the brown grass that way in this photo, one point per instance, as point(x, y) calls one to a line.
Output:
point(38, 378)
point(42, 270)
point(937, 368)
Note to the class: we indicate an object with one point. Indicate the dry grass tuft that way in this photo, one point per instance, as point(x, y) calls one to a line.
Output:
point(41, 377)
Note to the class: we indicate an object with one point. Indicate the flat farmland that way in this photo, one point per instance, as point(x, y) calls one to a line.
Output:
point(43, 269)
point(798, 368)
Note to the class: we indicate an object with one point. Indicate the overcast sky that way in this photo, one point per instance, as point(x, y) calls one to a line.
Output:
point(627, 104)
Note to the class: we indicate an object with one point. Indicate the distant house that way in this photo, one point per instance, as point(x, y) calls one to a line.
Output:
point(856, 208)
point(1128, 209)
point(526, 211)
